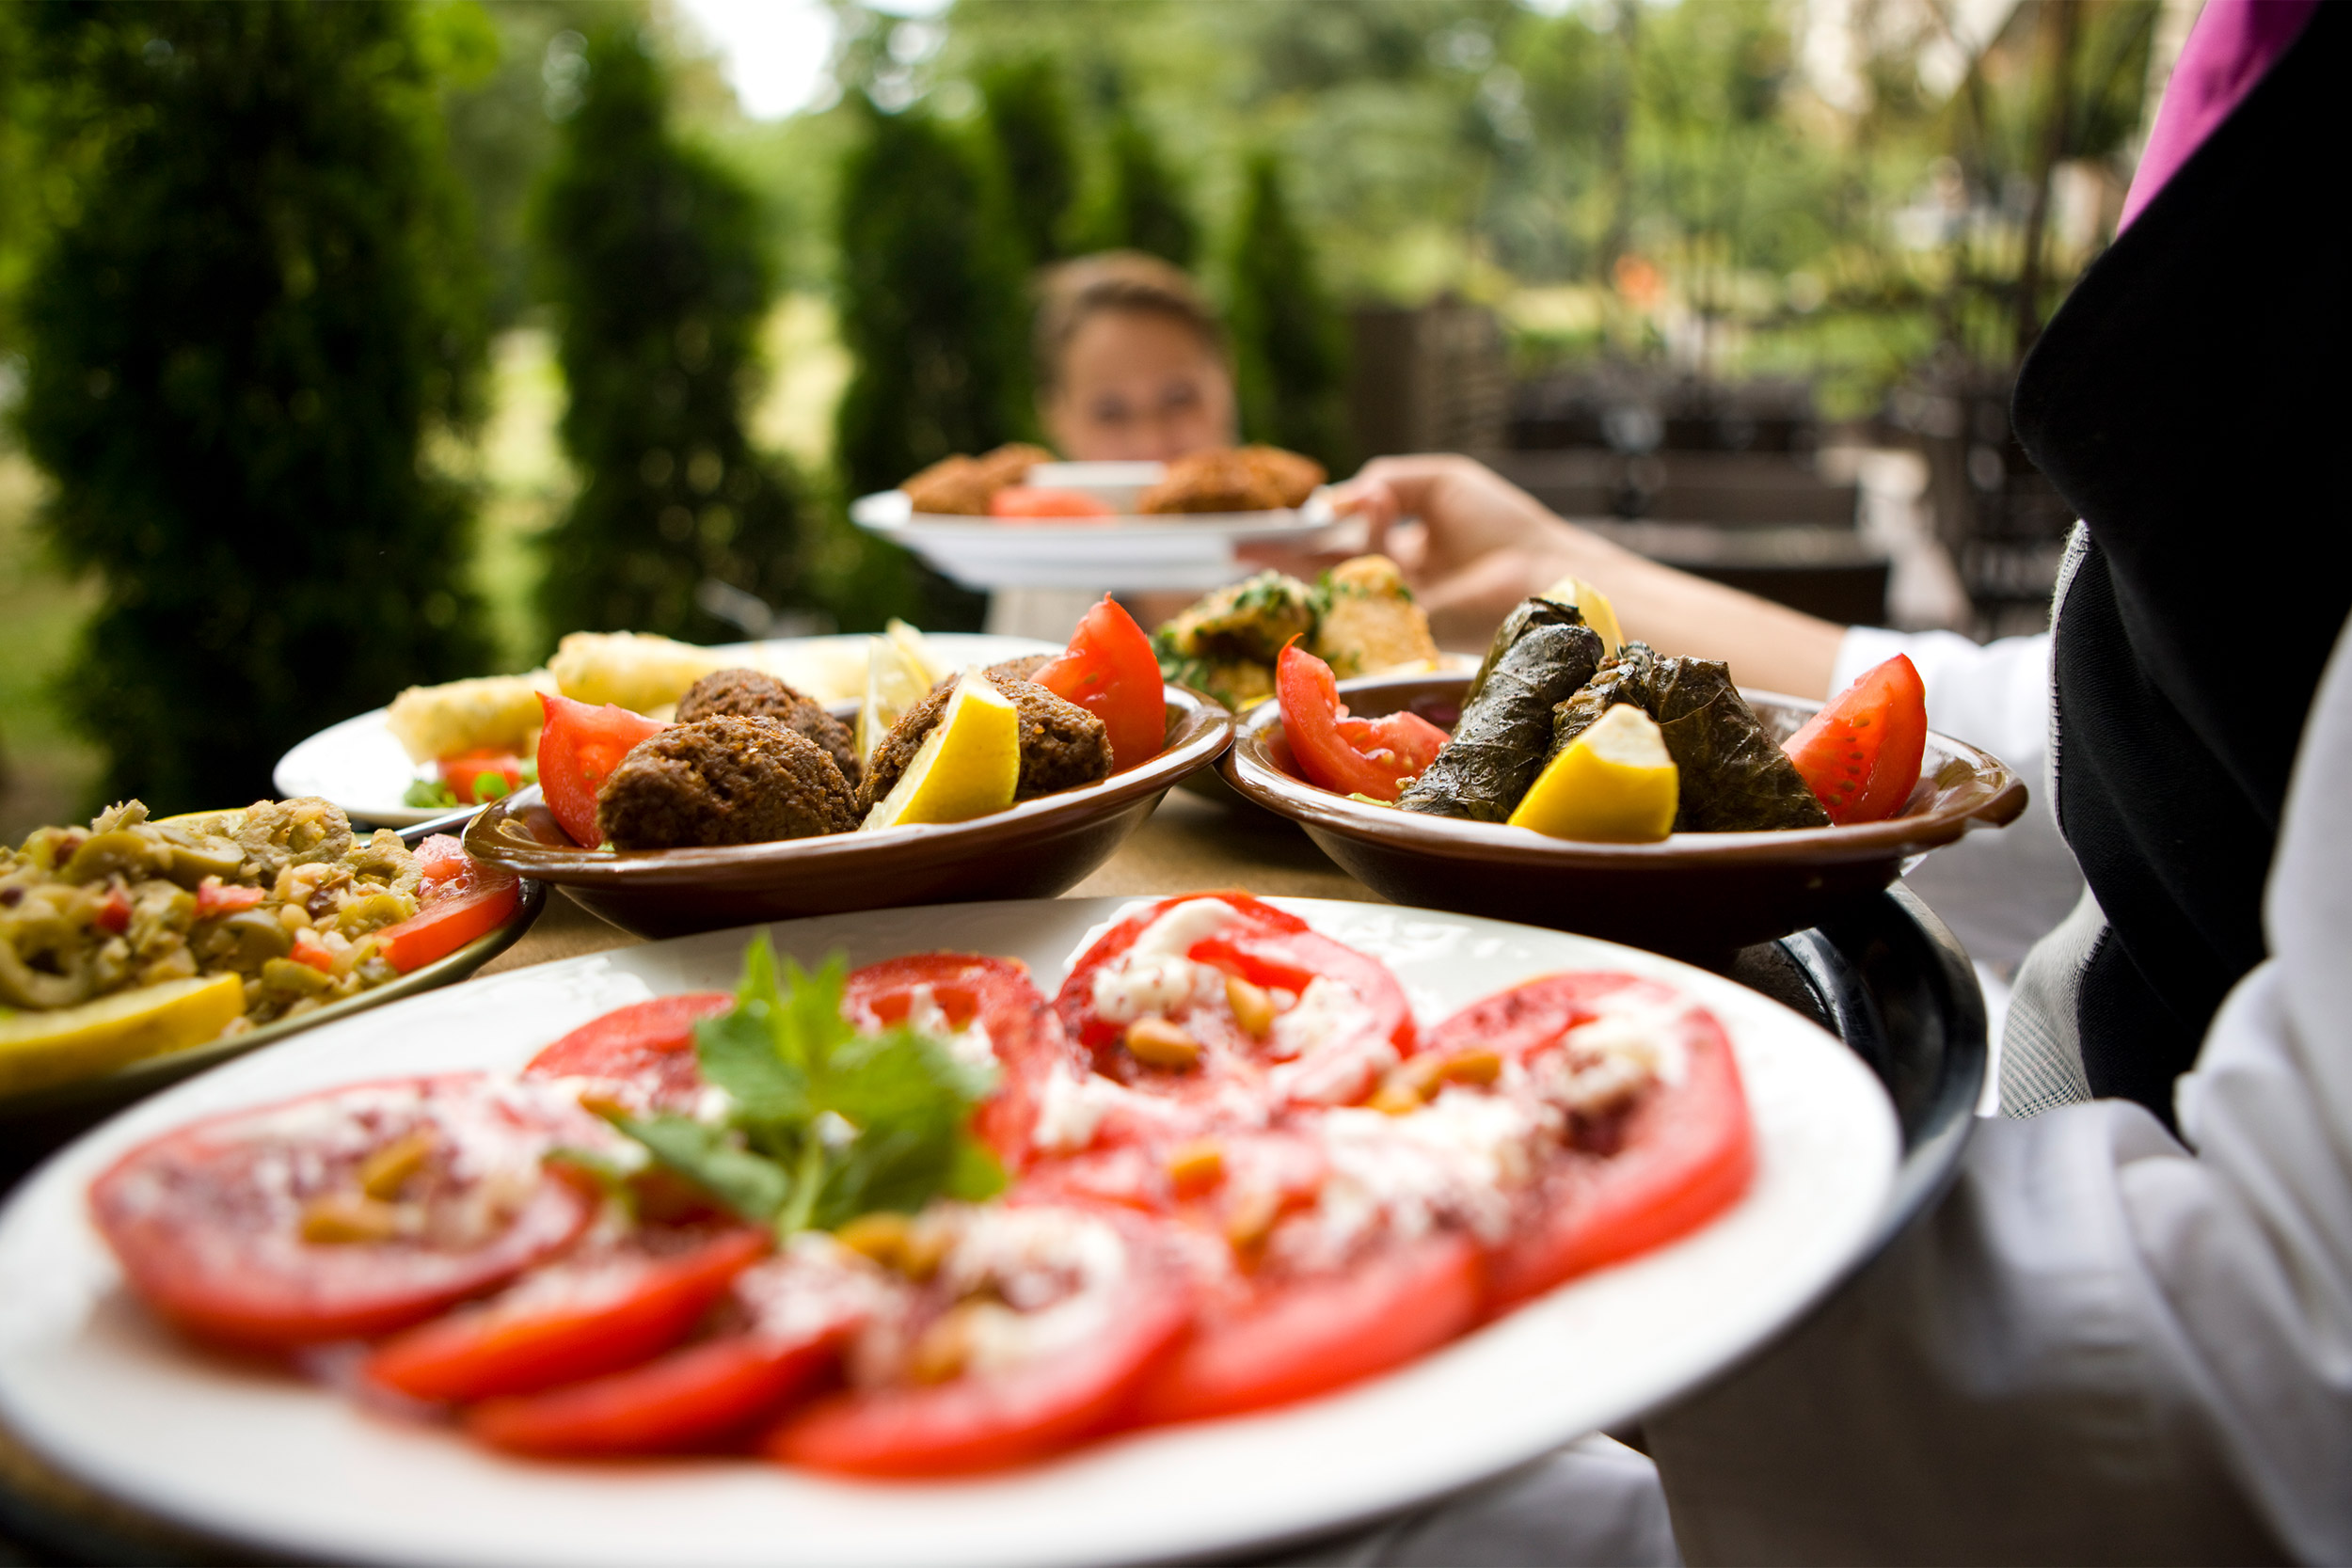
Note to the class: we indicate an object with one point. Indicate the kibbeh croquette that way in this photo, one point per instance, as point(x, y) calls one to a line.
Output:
point(752, 694)
point(1062, 745)
point(724, 780)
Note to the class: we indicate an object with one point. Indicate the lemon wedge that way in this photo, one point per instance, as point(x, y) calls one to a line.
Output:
point(1598, 613)
point(1615, 784)
point(41, 1049)
point(896, 678)
point(966, 767)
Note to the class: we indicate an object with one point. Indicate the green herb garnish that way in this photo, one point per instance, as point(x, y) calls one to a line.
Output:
point(431, 794)
point(822, 1123)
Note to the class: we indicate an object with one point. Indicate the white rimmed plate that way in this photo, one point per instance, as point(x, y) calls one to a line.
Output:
point(90, 1382)
point(359, 765)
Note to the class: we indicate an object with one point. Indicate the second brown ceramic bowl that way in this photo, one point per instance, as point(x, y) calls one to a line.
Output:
point(1037, 849)
point(1701, 894)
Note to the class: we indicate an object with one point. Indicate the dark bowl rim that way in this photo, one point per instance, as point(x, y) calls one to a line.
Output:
point(1200, 729)
point(1991, 796)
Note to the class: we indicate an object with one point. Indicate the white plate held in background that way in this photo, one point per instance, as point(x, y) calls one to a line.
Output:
point(88, 1380)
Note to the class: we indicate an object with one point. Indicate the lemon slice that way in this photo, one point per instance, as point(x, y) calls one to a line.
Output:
point(895, 680)
point(41, 1049)
point(1598, 613)
point(918, 652)
point(1614, 784)
point(965, 767)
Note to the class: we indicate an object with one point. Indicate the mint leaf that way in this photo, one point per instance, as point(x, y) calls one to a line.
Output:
point(974, 1174)
point(738, 1052)
point(753, 1186)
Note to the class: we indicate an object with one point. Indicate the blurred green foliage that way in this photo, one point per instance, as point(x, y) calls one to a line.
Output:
point(1139, 202)
point(654, 264)
point(1026, 111)
point(257, 301)
point(933, 311)
point(1288, 347)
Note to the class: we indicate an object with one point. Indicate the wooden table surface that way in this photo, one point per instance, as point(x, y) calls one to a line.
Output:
point(1188, 843)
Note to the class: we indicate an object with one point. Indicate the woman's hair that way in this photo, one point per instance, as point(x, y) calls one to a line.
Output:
point(1115, 280)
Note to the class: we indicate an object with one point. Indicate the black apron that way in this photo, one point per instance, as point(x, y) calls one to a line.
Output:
point(2190, 400)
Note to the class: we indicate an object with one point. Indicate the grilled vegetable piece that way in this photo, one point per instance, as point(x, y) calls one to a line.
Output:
point(1506, 730)
point(1250, 620)
point(1367, 619)
point(1625, 678)
point(1734, 777)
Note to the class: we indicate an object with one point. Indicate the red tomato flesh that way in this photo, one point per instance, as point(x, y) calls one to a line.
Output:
point(641, 1056)
point(1110, 670)
point(1681, 1154)
point(592, 1312)
point(208, 1222)
point(1027, 500)
point(1861, 754)
point(793, 1319)
point(441, 927)
point(578, 746)
point(474, 777)
point(985, 1420)
point(1348, 756)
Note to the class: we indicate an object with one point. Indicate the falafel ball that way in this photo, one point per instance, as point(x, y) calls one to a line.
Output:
point(755, 694)
point(1062, 745)
point(1022, 668)
point(727, 780)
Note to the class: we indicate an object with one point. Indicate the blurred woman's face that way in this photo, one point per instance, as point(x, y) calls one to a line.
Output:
point(1136, 385)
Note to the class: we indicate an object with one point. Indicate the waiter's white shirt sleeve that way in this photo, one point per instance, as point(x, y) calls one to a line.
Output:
point(2105, 1344)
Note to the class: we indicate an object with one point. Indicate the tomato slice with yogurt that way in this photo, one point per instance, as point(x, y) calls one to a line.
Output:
point(607, 1305)
point(780, 1329)
point(348, 1214)
point(639, 1057)
point(1031, 1331)
point(1640, 1131)
point(1215, 1010)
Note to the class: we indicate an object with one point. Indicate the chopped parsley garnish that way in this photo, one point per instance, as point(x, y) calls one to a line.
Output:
point(822, 1123)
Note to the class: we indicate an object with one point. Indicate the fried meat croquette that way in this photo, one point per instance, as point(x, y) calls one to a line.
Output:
point(755, 694)
point(1294, 478)
point(961, 486)
point(727, 780)
point(1062, 745)
point(1254, 479)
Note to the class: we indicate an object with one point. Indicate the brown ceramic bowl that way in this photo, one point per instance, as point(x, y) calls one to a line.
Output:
point(1696, 894)
point(1037, 849)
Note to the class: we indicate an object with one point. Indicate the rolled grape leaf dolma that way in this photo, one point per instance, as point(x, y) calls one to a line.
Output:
point(1499, 744)
point(1623, 677)
point(1733, 778)
point(1525, 617)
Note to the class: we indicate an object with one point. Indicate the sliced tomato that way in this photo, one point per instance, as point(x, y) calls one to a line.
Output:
point(1679, 1154)
point(1348, 756)
point(958, 991)
point(578, 746)
point(114, 913)
point(1266, 1341)
point(596, 1311)
point(1030, 501)
point(1110, 670)
point(222, 1227)
point(1062, 1393)
point(308, 949)
point(1861, 754)
point(443, 865)
point(214, 898)
point(790, 1316)
point(444, 925)
point(474, 777)
point(641, 1056)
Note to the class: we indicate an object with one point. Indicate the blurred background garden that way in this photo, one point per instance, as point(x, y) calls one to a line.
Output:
point(344, 347)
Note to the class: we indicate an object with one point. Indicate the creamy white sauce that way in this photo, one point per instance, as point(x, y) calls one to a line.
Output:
point(1327, 1010)
point(1153, 979)
point(1454, 1162)
point(1071, 1106)
point(969, 1045)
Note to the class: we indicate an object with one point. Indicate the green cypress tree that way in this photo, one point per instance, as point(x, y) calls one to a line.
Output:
point(239, 339)
point(1028, 116)
point(655, 265)
point(1288, 349)
point(1140, 205)
point(932, 312)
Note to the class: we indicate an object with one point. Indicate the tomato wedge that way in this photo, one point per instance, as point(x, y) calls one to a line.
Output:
point(1683, 1151)
point(1132, 1293)
point(1261, 1342)
point(1348, 756)
point(958, 993)
point(1028, 500)
point(641, 1056)
point(1110, 670)
point(474, 777)
point(344, 1214)
point(594, 1311)
point(1861, 754)
point(792, 1315)
point(577, 746)
point(447, 924)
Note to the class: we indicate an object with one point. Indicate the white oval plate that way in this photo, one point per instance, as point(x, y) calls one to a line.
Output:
point(359, 765)
point(88, 1380)
point(1129, 554)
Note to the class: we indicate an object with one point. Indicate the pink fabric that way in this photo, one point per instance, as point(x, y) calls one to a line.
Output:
point(2233, 43)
